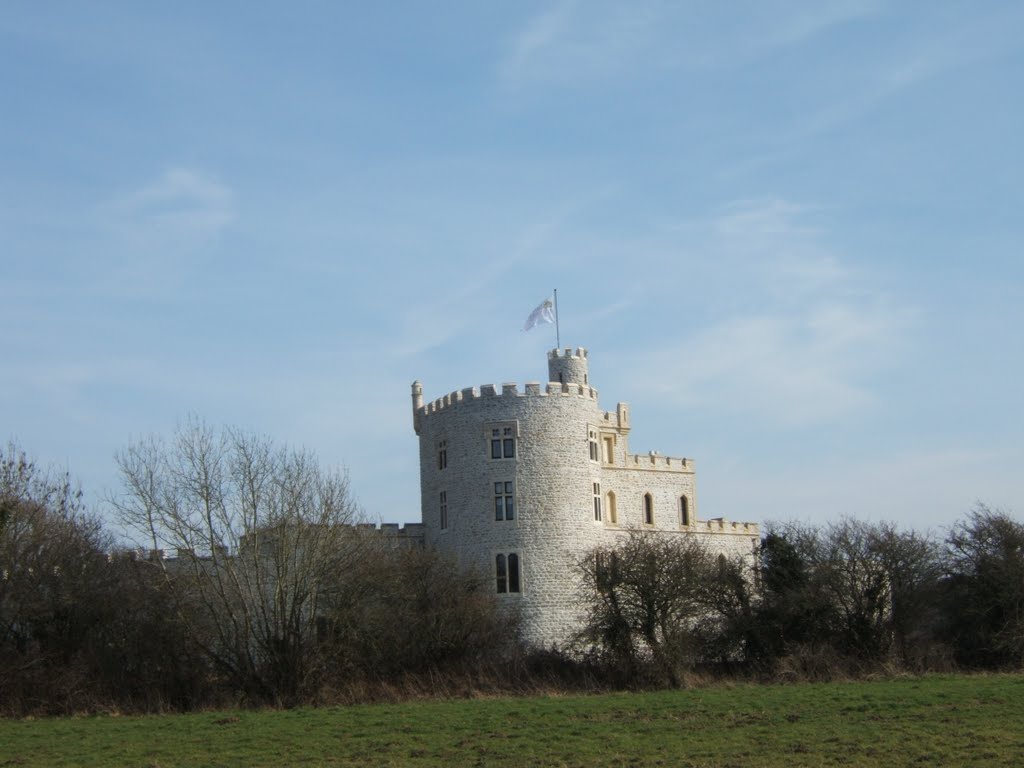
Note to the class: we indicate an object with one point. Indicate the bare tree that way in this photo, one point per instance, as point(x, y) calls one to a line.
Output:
point(52, 583)
point(864, 590)
point(653, 598)
point(263, 538)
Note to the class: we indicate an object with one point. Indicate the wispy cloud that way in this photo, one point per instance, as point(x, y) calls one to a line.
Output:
point(182, 202)
point(455, 308)
point(801, 345)
point(573, 42)
point(576, 41)
point(927, 53)
point(157, 230)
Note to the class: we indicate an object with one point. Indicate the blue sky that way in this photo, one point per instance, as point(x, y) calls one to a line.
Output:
point(789, 233)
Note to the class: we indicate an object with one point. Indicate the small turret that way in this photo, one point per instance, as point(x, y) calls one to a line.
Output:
point(568, 367)
point(417, 404)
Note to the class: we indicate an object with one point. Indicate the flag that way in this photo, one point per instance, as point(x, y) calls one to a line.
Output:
point(544, 313)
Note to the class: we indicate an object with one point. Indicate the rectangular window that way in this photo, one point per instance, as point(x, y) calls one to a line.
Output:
point(503, 443)
point(507, 573)
point(594, 455)
point(609, 450)
point(442, 454)
point(504, 503)
point(443, 509)
point(597, 502)
point(648, 509)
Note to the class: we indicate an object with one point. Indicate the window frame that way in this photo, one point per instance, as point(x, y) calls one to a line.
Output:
point(504, 500)
point(508, 573)
point(502, 438)
point(648, 509)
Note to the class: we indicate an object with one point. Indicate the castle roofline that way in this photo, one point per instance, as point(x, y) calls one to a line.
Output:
point(508, 390)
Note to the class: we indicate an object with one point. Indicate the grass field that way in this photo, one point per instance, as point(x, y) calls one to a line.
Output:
point(949, 720)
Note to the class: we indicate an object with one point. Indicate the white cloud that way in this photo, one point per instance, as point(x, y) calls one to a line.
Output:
point(182, 202)
point(573, 41)
point(793, 335)
point(157, 231)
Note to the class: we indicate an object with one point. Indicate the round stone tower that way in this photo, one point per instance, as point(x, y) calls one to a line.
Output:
point(522, 483)
point(507, 486)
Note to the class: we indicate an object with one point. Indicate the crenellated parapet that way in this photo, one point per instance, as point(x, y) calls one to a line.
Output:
point(487, 392)
point(580, 353)
point(719, 525)
point(656, 462)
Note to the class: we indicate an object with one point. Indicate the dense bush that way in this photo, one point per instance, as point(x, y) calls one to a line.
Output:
point(984, 590)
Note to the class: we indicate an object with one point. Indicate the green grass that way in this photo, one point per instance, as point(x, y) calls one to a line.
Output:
point(950, 720)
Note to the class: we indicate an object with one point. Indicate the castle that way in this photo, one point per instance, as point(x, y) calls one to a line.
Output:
point(523, 484)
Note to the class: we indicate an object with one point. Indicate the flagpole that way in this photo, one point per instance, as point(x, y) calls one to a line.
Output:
point(558, 335)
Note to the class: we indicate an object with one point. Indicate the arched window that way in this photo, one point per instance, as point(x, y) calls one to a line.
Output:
point(506, 569)
point(684, 510)
point(513, 572)
point(648, 509)
point(502, 570)
point(613, 513)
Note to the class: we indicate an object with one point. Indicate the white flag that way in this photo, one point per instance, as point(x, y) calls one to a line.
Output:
point(544, 313)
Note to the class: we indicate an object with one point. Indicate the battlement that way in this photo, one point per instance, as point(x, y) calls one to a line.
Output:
point(655, 461)
point(508, 390)
point(721, 525)
point(410, 531)
point(580, 353)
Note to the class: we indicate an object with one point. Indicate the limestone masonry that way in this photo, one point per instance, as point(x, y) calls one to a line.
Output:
point(522, 484)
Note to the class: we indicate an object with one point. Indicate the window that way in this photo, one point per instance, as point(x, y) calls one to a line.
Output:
point(648, 509)
point(613, 512)
point(597, 502)
point(609, 449)
point(442, 454)
point(504, 504)
point(594, 455)
point(442, 509)
point(503, 443)
point(507, 573)
point(684, 510)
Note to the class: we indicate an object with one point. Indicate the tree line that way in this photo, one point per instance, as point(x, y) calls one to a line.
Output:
point(844, 598)
point(251, 582)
